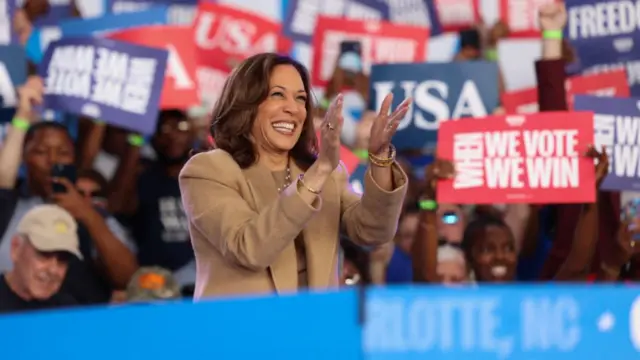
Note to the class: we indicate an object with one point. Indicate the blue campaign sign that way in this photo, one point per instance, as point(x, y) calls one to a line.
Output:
point(415, 12)
point(306, 326)
point(7, 11)
point(617, 128)
point(440, 91)
point(180, 12)
point(513, 322)
point(13, 73)
point(503, 322)
point(117, 82)
point(40, 39)
point(300, 18)
point(605, 36)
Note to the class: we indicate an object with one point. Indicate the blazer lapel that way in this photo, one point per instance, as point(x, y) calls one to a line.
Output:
point(284, 270)
point(321, 235)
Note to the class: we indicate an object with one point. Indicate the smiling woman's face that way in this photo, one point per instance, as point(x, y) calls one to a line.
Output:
point(282, 114)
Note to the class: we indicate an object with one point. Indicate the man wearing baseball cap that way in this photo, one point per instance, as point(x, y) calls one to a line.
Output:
point(45, 239)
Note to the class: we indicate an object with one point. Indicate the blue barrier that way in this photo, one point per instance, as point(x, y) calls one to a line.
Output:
point(510, 322)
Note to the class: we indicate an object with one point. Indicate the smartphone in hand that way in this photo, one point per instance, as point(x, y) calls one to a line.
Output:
point(67, 171)
point(350, 59)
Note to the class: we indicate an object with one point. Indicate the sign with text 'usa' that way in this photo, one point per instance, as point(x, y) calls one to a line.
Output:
point(537, 158)
point(617, 128)
point(119, 83)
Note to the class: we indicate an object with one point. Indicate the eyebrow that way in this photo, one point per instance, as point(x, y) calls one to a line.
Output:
point(284, 88)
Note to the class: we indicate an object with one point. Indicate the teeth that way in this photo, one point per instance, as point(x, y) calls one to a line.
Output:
point(283, 126)
point(499, 271)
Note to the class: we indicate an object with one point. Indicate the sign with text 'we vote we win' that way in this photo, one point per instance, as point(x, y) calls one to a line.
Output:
point(537, 158)
point(617, 128)
point(116, 82)
point(439, 91)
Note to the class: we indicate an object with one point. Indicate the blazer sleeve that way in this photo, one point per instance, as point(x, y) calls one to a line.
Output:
point(373, 218)
point(210, 188)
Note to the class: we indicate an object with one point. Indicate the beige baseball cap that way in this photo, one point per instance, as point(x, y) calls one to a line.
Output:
point(50, 228)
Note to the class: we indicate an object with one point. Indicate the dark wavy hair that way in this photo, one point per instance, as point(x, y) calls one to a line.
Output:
point(235, 111)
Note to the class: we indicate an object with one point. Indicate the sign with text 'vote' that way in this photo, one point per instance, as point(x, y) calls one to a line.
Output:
point(13, 73)
point(606, 35)
point(116, 82)
point(381, 43)
point(440, 92)
point(180, 90)
point(617, 128)
point(180, 12)
point(609, 84)
point(538, 158)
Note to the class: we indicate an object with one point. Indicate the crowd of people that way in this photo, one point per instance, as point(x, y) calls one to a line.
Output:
point(97, 217)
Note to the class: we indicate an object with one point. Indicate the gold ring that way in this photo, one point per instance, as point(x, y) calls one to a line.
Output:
point(330, 126)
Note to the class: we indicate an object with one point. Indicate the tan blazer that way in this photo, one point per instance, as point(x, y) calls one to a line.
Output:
point(243, 231)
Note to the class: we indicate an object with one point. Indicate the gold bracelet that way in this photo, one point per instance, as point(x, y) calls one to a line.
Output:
point(384, 162)
point(301, 183)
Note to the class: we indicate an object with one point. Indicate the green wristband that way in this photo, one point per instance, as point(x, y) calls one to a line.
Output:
point(324, 104)
point(552, 34)
point(362, 154)
point(491, 54)
point(428, 205)
point(135, 140)
point(19, 123)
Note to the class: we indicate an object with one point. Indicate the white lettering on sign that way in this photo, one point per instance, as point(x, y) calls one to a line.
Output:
point(7, 88)
point(550, 324)
point(69, 71)
point(5, 23)
point(305, 15)
point(421, 325)
point(177, 71)
point(493, 159)
point(632, 68)
point(119, 81)
point(527, 108)
point(129, 6)
point(232, 35)
point(431, 97)
point(358, 11)
point(523, 14)
point(626, 152)
point(604, 19)
point(409, 12)
point(210, 84)
point(456, 12)
point(182, 14)
point(604, 133)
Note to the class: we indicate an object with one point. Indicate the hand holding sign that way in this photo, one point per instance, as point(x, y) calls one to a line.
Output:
point(602, 167)
point(29, 95)
point(329, 154)
point(385, 125)
point(553, 17)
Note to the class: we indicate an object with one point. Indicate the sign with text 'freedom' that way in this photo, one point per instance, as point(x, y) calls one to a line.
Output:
point(617, 128)
point(536, 159)
point(605, 36)
point(440, 92)
point(119, 83)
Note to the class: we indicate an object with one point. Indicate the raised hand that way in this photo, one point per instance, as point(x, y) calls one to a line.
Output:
point(330, 129)
point(385, 125)
point(602, 166)
point(552, 16)
point(439, 169)
point(29, 95)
